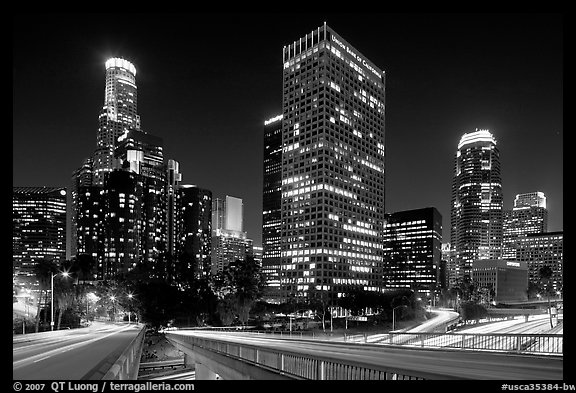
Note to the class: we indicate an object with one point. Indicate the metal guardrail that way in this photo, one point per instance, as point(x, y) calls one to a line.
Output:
point(127, 365)
point(301, 366)
point(551, 344)
point(177, 363)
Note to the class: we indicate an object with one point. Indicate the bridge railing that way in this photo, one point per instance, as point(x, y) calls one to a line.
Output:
point(298, 365)
point(538, 344)
point(551, 344)
point(127, 365)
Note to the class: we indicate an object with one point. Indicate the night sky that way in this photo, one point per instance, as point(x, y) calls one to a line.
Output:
point(207, 82)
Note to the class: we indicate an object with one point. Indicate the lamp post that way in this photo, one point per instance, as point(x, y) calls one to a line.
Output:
point(129, 307)
point(393, 315)
point(65, 274)
point(113, 298)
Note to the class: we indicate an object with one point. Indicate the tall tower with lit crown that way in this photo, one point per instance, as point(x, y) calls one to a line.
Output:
point(477, 201)
point(118, 115)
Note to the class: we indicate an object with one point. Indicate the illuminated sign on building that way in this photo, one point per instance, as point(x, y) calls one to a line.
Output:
point(515, 264)
point(356, 56)
point(272, 120)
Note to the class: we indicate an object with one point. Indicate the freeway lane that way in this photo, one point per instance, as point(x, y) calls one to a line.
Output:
point(70, 354)
point(437, 363)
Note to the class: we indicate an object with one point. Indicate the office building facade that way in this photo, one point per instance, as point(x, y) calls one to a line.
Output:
point(413, 250)
point(272, 208)
point(543, 249)
point(529, 215)
point(173, 179)
point(229, 240)
point(477, 202)
point(449, 257)
point(504, 281)
point(194, 229)
point(333, 172)
point(38, 230)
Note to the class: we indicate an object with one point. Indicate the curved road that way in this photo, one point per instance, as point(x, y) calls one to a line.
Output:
point(75, 354)
point(436, 364)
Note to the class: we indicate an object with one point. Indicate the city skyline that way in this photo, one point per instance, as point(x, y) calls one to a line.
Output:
point(216, 97)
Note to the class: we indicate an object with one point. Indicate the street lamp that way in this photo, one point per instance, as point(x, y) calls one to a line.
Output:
point(130, 296)
point(393, 314)
point(65, 274)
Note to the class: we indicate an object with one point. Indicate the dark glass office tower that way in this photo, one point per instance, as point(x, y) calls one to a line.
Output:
point(477, 201)
point(89, 225)
point(413, 250)
point(194, 230)
point(123, 228)
point(38, 230)
point(272, 208)
point(173, 179)
point(333, 157)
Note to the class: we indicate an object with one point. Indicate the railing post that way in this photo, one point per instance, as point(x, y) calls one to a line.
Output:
point(321, 370)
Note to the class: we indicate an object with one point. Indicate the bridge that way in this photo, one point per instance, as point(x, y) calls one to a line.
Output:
point(103, 351)
point(243, 355)
point(112, 351)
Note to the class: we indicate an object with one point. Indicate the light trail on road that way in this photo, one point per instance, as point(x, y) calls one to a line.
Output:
point(70, 354)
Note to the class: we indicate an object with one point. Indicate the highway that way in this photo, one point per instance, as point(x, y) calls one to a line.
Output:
point(437, 363)
point(73, 354)
point(536, 324)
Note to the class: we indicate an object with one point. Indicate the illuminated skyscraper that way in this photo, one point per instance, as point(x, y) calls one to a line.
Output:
point(476, 213)
point(529, 215)
point(449, 259)
point(38, 230)
point(120, 196)
point(119, 114)
point(333, 179)
point(271, 207)
point(229, 240)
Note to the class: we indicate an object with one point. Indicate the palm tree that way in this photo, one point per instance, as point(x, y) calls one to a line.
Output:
point(64, 300)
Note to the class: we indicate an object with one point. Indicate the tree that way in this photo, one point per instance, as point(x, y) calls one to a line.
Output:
point(545, 274)
point(225, 310)
point(64, 299)
point(471, 311)
point(320, 302)
point(240, 283)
